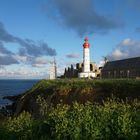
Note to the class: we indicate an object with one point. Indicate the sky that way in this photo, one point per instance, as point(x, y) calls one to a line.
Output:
point(34, 32)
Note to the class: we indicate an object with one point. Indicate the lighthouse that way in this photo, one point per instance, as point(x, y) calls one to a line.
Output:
point(86, 56)
point(86, 61)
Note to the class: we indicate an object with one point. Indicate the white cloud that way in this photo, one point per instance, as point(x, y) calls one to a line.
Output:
point(101, 63)
point(23, 72)
point(38, 65)
point(33, 61)
point(40, 62)
point(127, 48)
point(119, 54)
point(126, 42)
point(20, 58)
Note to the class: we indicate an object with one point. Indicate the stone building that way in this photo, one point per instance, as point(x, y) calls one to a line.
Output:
point(72, 72)
point(93, 68)
point(127, 68)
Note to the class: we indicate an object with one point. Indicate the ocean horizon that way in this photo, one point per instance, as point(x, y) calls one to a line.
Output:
point(10, 87)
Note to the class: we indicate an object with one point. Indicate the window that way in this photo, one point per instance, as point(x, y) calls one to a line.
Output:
point(109, 74)
point(128, 73)
point(114, 74)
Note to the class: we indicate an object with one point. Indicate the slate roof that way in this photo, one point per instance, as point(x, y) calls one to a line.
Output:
point(130, 63)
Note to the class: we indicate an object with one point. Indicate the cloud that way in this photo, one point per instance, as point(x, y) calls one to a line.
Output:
point(22, 59)
point(8, 60)
point(72, 55)
point(4, 51)
point(31, 54)
point(22, 72)
point(4, 35)
point(101, 63)
point(125, 49)
point(28, 46)
point(40, 62)
point(6, 56)
point(35, 49)
point(81, 16)
point(33, 61)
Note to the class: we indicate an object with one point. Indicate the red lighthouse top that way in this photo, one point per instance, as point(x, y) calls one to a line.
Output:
point(86, 44)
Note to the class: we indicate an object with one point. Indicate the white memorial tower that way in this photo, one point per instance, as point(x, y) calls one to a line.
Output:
point(53, 72)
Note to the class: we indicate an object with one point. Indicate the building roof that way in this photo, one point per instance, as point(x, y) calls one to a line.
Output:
point(130, 63)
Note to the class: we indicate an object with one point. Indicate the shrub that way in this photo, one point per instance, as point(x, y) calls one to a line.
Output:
point(18, 127)
point(114, 119)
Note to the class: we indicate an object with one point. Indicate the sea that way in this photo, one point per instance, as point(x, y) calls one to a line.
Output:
point(13, 87)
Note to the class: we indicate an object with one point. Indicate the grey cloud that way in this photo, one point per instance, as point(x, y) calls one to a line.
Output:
point(80, 15)
point(36, 49)
point(33, 61)
point(4, 51)
point(47, 50)
point(4, 35)
point(8, 60)
point(72, 55)
point(39, 62)
point(125, 49)
point(2, 67)
point(6, 56)
point(28, 46)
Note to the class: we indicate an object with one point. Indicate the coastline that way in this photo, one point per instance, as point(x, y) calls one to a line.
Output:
point(9, 109)
point(68, 91)
point(11, 91)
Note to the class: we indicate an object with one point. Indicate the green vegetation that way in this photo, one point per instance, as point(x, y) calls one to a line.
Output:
point(80, 90)
point(114, 119)
point(79, 86)
point(76, 110)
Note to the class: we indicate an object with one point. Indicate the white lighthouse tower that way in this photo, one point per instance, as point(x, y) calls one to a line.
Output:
point(86, 56)
point(86, 61)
